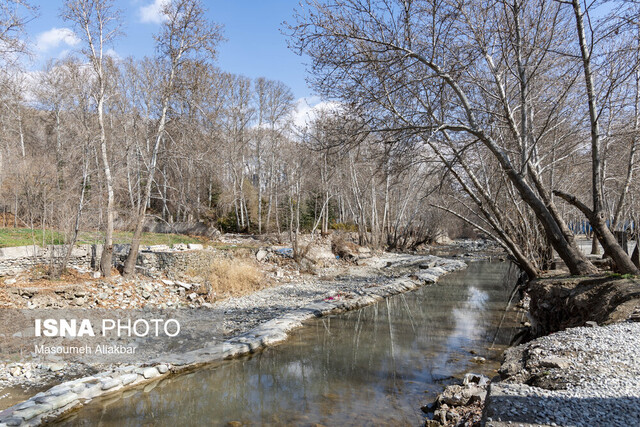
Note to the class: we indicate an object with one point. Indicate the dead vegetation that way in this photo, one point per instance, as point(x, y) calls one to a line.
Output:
point(228, 277)
point(344, 249)
point(233, 277)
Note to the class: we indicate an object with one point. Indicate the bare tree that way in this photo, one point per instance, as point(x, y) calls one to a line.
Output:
point(597, 216)
point(186, 35)
point(274, 105)
point(14, 14)
point(394, 60)
point(98, 23)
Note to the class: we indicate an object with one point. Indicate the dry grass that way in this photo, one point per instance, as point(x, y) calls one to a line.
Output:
point(231, 277)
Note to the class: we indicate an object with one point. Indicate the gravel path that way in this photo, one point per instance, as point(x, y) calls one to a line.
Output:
point(583, 376)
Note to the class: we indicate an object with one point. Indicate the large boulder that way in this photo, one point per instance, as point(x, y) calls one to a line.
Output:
point(320, 253)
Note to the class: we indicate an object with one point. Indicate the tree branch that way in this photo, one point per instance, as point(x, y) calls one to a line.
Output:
point(573, 200)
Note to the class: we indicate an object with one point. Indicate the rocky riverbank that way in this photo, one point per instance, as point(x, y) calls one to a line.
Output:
point(585, 376)
point(575, 373)
point(251, 322)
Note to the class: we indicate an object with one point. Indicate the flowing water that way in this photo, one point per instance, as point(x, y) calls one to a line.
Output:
point(373, 366)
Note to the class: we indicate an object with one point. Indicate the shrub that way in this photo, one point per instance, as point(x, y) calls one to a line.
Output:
point(232, 277)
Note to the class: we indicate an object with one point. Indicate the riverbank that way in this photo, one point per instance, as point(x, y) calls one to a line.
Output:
point(579, 369)
point(583, 368)
point(583, 376)
point(257, 320)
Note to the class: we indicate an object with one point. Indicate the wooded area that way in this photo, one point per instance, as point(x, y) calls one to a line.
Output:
point(520, 100)
point(95, 142)
point(518, 118)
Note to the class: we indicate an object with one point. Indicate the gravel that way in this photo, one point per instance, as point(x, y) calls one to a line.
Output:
point(595, 373)
point(244, 313)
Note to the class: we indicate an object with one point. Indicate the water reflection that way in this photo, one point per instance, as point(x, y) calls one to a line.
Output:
point(371, 366)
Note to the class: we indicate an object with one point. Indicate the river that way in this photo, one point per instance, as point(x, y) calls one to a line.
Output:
point(372, 366)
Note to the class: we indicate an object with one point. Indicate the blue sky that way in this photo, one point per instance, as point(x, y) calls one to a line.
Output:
point(254, 47)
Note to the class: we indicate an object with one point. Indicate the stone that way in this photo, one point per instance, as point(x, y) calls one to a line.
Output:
point(59, 389)
point(195, 246)
point(96, 275)
point(32, 411)
point(456, 395)
point(128, 378)
point(453, 396)
point(13, 421)
point(162, 368)
point(320, 254)
point(25, 404)
point(479, 379)
point(91, 391)
point(429, 408)
point(554, 362)
point(150, 372)
point(591, 324)
point(55, 367)
point(62, 400)
point(10, 282)
point(109, 383)
point(20, 252)
point(168, 282)
point(183, 284)
point(261, 255)
point(476, 394)
point(478, 359)
point(192, 296)
point(427, 265)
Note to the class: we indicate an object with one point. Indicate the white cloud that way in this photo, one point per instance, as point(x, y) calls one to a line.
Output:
point(308, 108)
point(152, 13)
point(113, 54)
point(54, 37)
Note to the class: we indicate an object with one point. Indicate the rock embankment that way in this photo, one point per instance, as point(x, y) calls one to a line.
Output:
point(585, 376)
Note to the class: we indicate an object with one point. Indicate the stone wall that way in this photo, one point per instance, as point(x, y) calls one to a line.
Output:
point(190, 228)
point(174, 263)
point(152, 260)
point(20, 258)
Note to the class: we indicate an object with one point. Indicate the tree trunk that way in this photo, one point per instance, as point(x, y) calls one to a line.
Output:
point(76, 229)
point(595, 246)
point(132, 257)
point(605, 236)
point(106, 260)
point(597, 216)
